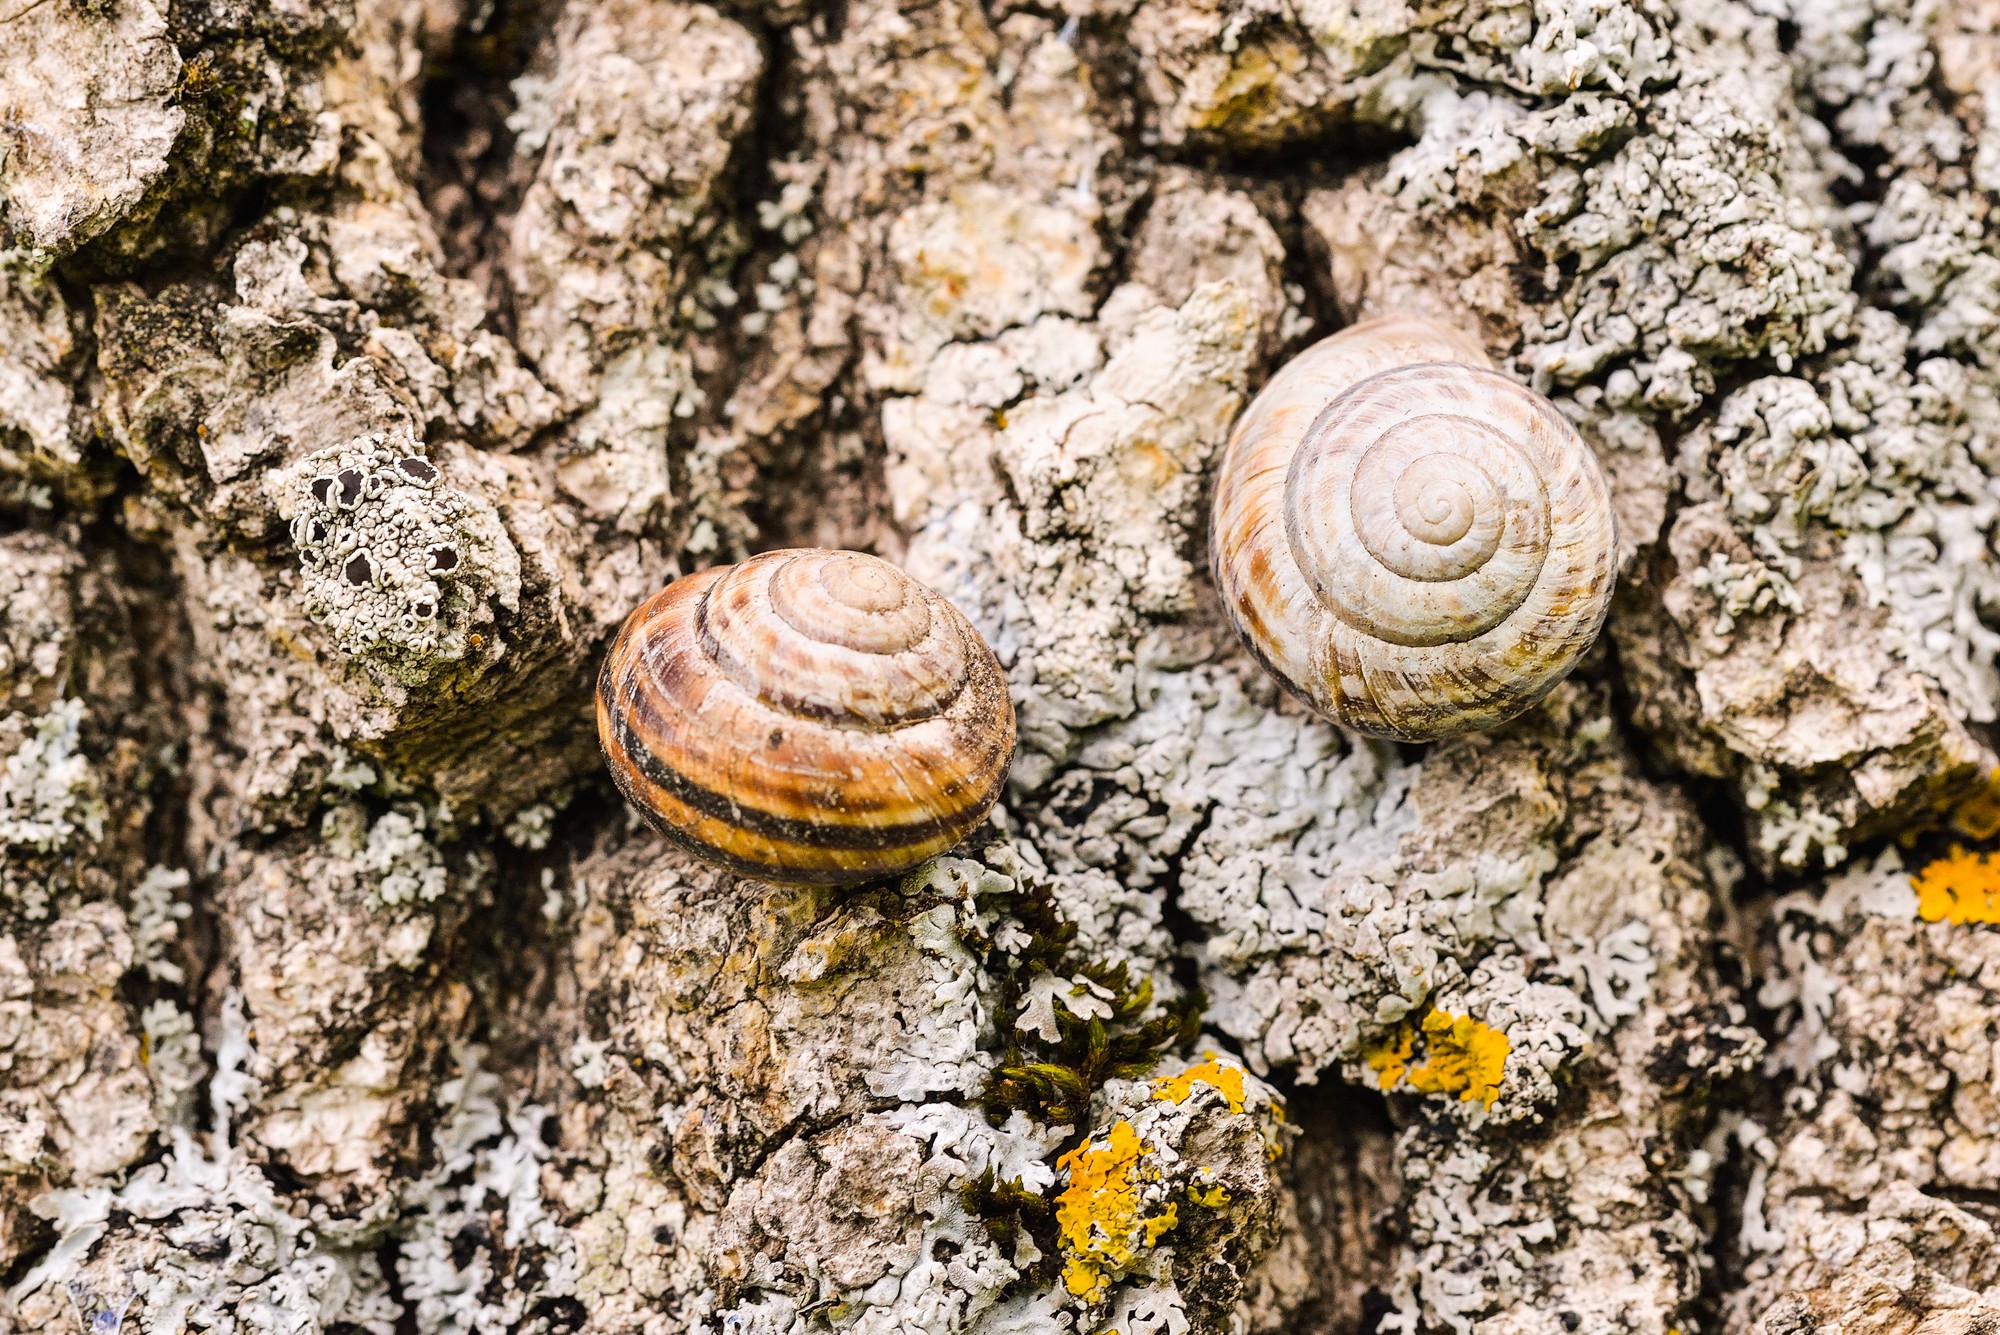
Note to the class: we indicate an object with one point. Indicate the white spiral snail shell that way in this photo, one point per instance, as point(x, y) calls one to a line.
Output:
point(1412, 543)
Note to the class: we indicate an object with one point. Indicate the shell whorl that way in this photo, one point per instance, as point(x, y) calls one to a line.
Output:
point(1414, 544)
point(807, 716)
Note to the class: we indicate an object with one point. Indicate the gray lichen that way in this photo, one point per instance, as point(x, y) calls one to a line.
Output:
point(395, 564)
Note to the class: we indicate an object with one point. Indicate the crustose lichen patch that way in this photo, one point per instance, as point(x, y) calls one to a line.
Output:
point(385, 548)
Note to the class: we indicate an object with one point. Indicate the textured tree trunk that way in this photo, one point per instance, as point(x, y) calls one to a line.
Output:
point(363, 363)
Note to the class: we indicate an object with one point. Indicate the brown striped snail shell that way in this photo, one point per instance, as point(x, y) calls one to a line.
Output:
point(1412, 543)
point(808, 716)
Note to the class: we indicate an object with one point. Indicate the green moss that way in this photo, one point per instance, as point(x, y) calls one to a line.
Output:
point(1053, 1082)
point(1009, 1210)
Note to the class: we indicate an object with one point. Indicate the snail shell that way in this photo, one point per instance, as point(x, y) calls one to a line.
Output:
point(807, 716)
point(1412, 543)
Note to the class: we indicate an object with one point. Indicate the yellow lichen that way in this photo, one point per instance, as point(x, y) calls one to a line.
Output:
point(1392, 1059)
point(1211, 1195)
point(1960, 887)
point(1099, 1218)
point(1213, 1072)
point(1461, 1056)
point(1466, 1058)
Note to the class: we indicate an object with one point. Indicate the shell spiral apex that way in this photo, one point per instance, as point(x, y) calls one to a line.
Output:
point(1413, 544)
point(807, 716)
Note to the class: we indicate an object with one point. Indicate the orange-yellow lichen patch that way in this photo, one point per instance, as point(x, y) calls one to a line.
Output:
point(1213, 1072)
point(1466, 1058)
point(1100, 1223)
point(1959, 887)
point(1461, 1056)
point(1392, 1060)
point(1208, 1194)
point(1978, 816)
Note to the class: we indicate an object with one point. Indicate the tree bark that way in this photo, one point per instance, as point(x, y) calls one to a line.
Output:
point(339, 990)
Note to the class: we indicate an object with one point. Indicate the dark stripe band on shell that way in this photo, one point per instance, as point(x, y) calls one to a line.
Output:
point(807, 716)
